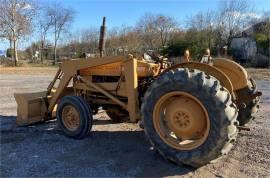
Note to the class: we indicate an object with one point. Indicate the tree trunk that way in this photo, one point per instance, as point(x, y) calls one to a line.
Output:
point(41, 52)
point(162, 40)
point(10, 45)
point(15, 52)
point(41, 56)
point(54, 55)
point(55, 45)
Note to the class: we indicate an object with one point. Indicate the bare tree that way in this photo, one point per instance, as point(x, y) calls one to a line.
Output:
point(202, 20)
point(204, 23)
point(266, 27)
point(131, 39)
point(164, 25)
point(90, 37)
point(233, 17)
point(123, 40)
point(61, 18)
point(16, 21)
point(148, 34)
point(44, 23)
point(155, 30)
point(112, 41)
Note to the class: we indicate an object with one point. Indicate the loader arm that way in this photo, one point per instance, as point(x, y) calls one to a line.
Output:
point(64, 81)
point(40, 106)
point(67, 70)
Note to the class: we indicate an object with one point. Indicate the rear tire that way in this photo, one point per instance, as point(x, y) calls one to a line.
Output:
point(246, 114)
point(74, 116)
point(217, 101)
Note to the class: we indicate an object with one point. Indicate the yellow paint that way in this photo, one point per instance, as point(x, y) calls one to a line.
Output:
point(187, 121)
point(235, 72)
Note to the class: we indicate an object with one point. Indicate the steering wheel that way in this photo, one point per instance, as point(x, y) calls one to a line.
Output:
point(155, 57)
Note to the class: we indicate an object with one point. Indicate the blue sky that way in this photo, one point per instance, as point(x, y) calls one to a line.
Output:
point(118, 12)
point(89, 13)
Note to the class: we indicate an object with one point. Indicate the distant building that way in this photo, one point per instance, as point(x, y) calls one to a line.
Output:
point(244, 49)
point(243, 46)
point(66, 55)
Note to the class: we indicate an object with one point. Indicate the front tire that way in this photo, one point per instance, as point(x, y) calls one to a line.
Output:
point(206, 91)
point(74, 116)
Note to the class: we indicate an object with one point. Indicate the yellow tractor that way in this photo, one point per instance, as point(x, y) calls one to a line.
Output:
point(189, 111)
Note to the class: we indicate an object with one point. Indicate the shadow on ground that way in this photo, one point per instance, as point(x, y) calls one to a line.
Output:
point(42, 150)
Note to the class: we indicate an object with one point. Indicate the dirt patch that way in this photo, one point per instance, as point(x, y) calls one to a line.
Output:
point(112, 150)
point(259, 74)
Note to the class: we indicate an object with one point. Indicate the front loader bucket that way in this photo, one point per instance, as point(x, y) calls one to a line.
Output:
point(31, 107)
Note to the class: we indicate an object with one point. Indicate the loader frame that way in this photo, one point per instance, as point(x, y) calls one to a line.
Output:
point(69, 70)
point(81, 71)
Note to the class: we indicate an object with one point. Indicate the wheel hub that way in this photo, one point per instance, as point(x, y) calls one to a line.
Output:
point(70, 118)
point(184, 117)
point(179, 117)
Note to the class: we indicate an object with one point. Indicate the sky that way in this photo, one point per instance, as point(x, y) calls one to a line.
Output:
point(89, 13)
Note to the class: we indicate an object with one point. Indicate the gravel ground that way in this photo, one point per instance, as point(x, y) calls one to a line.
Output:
point(112, 149)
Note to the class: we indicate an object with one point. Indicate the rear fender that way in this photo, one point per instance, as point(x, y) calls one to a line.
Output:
point(235, 72)
point(208, 69)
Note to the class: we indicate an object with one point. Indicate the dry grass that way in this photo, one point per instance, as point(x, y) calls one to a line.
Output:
point(28, 70)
